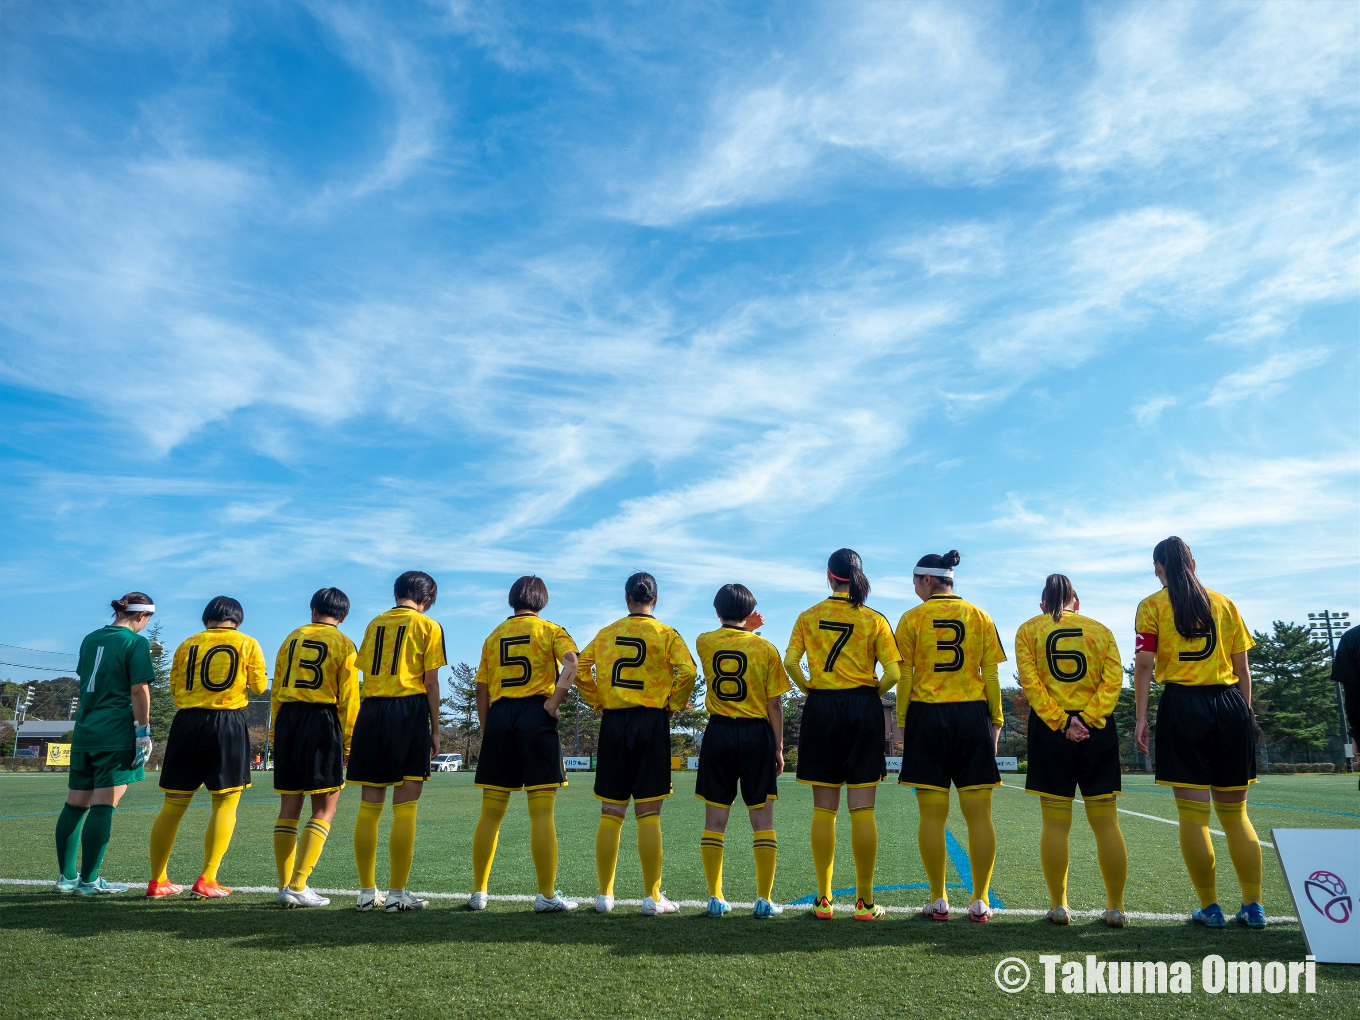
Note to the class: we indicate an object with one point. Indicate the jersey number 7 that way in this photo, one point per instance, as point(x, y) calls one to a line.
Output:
point(845, 630)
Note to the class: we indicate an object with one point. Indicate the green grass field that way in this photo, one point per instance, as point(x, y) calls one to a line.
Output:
point(244, 957)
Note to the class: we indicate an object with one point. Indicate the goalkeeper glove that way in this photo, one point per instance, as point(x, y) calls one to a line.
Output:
point(143, 745)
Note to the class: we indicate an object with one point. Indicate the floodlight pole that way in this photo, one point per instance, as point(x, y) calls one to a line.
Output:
point(1332, 624)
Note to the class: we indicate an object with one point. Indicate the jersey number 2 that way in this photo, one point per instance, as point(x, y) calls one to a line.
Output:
point(616, 676)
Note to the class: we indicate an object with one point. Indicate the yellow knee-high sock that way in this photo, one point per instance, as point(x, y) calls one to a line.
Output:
point(221, 824)
point(711, 853)
point(543, 839)
point(864, 848)
point(1244, 847)
point(823, 848)
point(485, 835)
point(649, 853)
point(163, 831)
point(285, 847)
point(1198, 848)
point(1057, 825)
point(1111, 854)
point(366, 842)
point(976, 806)
point(933, 807)
point(310, 844)
point(607, 838)
point(765, 848)
point(401, 842)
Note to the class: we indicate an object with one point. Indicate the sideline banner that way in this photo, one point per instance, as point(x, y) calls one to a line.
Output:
point(1008, 764)
point(1322, 868)
point(59, 754)
point(576, 764)
point(892, 764)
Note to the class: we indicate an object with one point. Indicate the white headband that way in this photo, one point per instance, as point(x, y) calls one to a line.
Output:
point(139, 608)
point(934, 571)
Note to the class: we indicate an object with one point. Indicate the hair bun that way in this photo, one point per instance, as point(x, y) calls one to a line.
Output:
point(118, 605)
point(951, 558)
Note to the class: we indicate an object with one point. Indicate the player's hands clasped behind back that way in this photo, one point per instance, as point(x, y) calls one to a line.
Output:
point(1076, 729)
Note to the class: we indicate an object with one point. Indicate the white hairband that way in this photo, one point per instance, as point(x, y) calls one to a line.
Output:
point(139, 608)
point(934, 571)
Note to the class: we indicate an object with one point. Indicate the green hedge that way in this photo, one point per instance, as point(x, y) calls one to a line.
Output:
point(1297, 768)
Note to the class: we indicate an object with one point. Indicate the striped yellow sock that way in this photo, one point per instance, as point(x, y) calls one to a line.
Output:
point(711, 853)
point(976, 806)
point(864, 847)
point(1056, 816)
point(221, 824)
point(543, 839)
point(485, 836)
point(823, 848)
point(163, 831)
point(366, 842)
point(1111, 854)
point(1244, 847)
point(649, 852)
point(933, 809)
point(401, 842)
point(285, 847)
point(310, 845)
point(607, 838)
point(1198, 848)
point(765, 848)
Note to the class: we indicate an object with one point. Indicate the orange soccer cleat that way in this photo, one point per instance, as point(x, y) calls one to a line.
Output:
point(206, 890)
point(821, 906)
point(164, 887)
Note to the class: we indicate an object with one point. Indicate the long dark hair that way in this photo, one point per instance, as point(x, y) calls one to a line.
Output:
point(640, 588)
point(1058, 592)
point(845, 564)
point(1189, 600)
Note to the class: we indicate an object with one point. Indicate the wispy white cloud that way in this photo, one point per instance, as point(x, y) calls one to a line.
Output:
point(1263, 379)
point(1148, 411)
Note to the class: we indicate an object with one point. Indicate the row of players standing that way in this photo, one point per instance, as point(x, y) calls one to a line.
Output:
point(942, 661)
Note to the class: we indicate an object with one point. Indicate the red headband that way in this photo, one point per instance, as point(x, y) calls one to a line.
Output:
point(844, 579)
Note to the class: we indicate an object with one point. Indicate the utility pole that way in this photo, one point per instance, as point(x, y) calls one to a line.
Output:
point(1333, 625)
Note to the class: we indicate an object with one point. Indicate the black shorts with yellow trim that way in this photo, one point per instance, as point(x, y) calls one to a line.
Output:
point(1206, 738)
point(520, 746)
point(948, 742)
point(207, 747)
point(840, 740)
point(634, 756)
point(309, 748)
point(1057, 766)
point(737, 751)
point(391, 741)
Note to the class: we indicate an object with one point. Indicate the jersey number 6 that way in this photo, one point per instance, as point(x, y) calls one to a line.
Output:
point(620, 664)
point(1057, 656)
point(515, 660)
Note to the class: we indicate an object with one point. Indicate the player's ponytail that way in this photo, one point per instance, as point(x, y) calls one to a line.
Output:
point(640, 588)
point(846, 566)
point(932, 562)
point(1189, 600)
point(121, 607)
point(1058, 595)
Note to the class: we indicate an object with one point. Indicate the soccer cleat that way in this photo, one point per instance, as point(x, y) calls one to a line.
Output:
point(98, 887)
point(369, 899)
point(868, 911)
point(1060, 915)
point(979, 912)
point(1253, 915)
point(204, 890)
point(157, 889)
point(477, 901)
point(604, 903)
point(821, 906)
point(301, 898)
point(65, 885)
point(554, 904)
point(937, 911)
point(717, 906)
point(766, 909)
point(1115, 918)
point(1210, 916)
point(660, 905)
point(399, 900)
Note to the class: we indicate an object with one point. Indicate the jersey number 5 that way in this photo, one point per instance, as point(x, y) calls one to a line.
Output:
point(845, 630)
point(507, 660)
point(729, 681)
point(620, 664)
point(1056, 656)
point(953, 645)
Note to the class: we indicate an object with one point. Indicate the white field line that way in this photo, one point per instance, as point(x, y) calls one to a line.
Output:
point(1139, 814)
point(586, 901)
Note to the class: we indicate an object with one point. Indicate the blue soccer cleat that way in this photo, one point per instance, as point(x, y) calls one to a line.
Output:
point(99, 887)
point(717, 906)
point(766, 909)
point(1253, 915)
point(1210, 916)
point(65, 885)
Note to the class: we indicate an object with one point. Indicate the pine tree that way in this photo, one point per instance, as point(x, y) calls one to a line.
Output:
point(1292, 692)
point(162, 700)
point(462, 702)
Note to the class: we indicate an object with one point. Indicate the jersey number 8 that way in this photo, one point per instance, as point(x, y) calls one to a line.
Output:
point(729, 684)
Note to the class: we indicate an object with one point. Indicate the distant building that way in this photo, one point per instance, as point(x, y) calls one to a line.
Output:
point(892, 733)
point(36, 734)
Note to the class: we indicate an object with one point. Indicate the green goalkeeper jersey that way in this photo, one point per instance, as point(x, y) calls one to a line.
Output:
point(113, 660)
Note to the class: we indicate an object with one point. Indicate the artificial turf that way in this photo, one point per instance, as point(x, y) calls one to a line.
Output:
point(243, 957)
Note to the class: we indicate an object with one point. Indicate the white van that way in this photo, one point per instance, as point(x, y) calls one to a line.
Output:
point(447, 763)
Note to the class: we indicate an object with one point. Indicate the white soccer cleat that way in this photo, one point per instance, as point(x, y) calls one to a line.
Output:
point(305, 898)
point(369, 899)
point(554, 904)
point(478, 901)
point(1060, 915)
point(660, 905)
point(399, 900)
point(937, 911)
point(604, 903)
point(65, 885)
point(1115, 918)
point(766, 909)
point(979, 912)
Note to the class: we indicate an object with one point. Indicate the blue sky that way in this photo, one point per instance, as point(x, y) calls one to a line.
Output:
point(294, 295)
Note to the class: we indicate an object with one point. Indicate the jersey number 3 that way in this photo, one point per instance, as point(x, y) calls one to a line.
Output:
point(952, 644)
point(616, 676)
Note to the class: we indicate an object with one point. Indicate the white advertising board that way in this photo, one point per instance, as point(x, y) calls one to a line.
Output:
point(576, 764)
point(1322, 867)
point(893, 764)
point(1007, 764)
point(692, 764)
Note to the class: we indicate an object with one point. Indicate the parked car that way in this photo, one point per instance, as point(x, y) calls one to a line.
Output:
point(447, 763)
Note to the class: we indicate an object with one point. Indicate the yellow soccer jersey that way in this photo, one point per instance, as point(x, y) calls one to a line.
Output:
point(946, 644)
point(399, 647)
point(842, 642)
point(214, 668)
point(637, 661)
point(318, 664)
point(523, 657)
point(1194, 661)
point(1071, 665)
point(742, 670)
